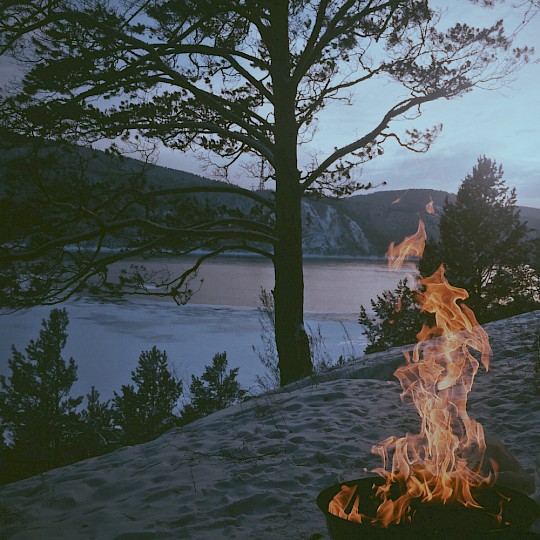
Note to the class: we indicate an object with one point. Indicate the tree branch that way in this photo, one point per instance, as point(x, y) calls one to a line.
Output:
point(397, 110)
point(333, 30)
point(203, 230)
point(329, 91)
point(225, 108)
point(263, 146)
point(230, 55)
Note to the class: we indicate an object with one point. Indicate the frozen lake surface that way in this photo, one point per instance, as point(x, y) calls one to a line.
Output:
point(331, 285)
point(106, 339)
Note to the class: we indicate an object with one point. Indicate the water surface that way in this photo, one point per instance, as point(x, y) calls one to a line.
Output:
point(106, 338)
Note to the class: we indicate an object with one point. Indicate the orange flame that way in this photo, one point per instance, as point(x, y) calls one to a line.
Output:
point(444, 461)
point(412, 246)
point(429, 207)
point(340, 503)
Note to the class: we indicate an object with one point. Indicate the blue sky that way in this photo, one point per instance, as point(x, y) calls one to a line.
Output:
point(503, 124)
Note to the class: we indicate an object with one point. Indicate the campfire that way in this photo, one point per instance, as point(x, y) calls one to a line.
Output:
point(441, 478)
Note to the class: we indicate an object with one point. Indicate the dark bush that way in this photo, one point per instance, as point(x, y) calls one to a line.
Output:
point(147, 410)
point(39, 422)
point(214, 390)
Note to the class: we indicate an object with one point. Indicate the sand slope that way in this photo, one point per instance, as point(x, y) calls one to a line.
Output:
point(255, 469)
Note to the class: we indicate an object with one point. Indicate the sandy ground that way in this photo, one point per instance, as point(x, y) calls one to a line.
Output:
point(254, 470)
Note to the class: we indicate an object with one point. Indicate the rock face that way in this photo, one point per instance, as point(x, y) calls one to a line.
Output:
point(365, 225)
point(328, 232)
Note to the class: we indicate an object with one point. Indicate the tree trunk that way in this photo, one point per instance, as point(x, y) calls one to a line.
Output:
point(291, 339)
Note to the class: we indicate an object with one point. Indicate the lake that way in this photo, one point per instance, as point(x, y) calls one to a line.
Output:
point(331, 285)
point(106, 338)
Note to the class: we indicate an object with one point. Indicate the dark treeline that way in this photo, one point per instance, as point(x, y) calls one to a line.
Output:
point(43, 426)
point(485, 248)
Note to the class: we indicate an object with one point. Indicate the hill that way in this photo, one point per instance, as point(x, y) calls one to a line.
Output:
point(388, 216)
point(362, 225)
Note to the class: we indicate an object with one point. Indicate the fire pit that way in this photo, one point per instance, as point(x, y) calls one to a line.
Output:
point(442, 481)
point(506, 513)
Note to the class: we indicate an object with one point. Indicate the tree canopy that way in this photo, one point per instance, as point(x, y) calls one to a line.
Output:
point(484, 247)
point(37, 414)
point(396, 321)
point(147, 410)
point(231, 79)
point(214, 390)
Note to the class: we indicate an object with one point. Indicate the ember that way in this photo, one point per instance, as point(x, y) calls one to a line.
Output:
point(442, 468)
point(429, 207)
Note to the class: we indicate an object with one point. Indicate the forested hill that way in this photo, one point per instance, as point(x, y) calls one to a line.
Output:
point(361, 225)
point(387, 216)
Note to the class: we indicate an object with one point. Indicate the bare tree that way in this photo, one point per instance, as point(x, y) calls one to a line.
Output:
point(238, 78)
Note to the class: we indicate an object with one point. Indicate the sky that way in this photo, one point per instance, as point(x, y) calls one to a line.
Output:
point(503, 124)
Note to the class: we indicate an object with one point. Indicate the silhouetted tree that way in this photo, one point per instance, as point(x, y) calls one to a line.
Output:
point(396, 321)
point(483, 246)
point(97, 433)
point(38, 415)
point(146, 410)
point(233, 79)
point(214, 390)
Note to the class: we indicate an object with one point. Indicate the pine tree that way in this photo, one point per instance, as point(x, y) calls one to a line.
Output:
point(483, 245)
point(214, 390)
point(97, 433)
point(396, 321)
point(39, 417)
point(145, 412)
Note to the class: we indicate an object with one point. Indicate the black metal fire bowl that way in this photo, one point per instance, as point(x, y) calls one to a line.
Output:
point(434, 520)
